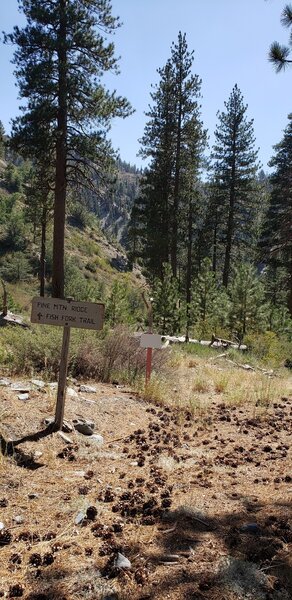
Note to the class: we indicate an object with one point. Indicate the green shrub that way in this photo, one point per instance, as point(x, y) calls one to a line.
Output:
point(14, 236)
point(269, 348)
point(101, 355)
point(31, 351)
point(16, 267)
point(199, 350)
point(79, 217)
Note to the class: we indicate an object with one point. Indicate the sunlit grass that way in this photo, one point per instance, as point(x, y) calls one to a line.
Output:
point(201, 384)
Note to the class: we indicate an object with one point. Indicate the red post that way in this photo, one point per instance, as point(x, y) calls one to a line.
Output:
point(148, 305)
point(148, 364)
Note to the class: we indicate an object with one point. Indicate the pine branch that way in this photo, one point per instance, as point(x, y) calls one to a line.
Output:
point(286, 18)
point(278, 56)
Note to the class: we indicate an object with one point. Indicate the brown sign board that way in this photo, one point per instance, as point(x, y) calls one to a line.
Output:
point(54, 311)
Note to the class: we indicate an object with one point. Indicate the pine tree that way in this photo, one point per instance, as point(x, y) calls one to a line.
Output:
point(166, 309)
point(275, 281)
point(118, 307)
point(61, 55)
point(210, 303)
point(277, 230)
point(174, 140)
point(39, 208)
point(234, 167)
point(190, 141)
point(247, 295)
point(154, 202)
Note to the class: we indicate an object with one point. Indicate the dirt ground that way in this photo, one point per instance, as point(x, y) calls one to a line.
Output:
point(199, 503)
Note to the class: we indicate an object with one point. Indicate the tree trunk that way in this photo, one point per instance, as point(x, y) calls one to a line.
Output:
point(214, 257)
point(189, 268)
point(43, 252)
point(230, 224)
point(290, 290)
point(61, 156)
point(4, 304)
point(174, 233)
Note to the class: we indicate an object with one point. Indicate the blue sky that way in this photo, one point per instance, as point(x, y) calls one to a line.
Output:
point(230, 38)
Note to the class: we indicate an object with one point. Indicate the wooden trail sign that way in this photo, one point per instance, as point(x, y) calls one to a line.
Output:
point(66, 313)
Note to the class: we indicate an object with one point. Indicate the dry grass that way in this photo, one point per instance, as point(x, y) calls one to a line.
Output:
point(234, 385)
point(200, 385)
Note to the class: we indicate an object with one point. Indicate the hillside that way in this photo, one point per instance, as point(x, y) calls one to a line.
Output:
point(113, 205)
point(95, 261)
point(114, 211)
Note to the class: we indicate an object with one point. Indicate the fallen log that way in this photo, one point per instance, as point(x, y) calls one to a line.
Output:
point(222, 341)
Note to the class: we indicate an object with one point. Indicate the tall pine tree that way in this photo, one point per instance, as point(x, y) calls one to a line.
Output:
point(173, 140)
point(234, 171)
point(60, 58)
point(277, 230)
point(154, 202)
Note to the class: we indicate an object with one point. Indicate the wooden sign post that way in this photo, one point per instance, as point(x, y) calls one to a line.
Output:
point(148, 365)
point(66, 313)
point(61, 393)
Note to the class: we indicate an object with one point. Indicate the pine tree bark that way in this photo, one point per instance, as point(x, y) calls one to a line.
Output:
point(174, 233)
point(214, 255)
point(43, 252)
point(290, 290)
point(61, 151)
point(189, 269)
point(230, 225)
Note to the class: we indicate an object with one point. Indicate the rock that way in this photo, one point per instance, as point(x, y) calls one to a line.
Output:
point(37, 454)
point(120, 263)
point(33, 496)
point(71, 392)
point(80, 517)
point(18, 519)
point(39, 383)
point(2, 526)
point(23, 397)
point(97, 439)
point(83, 428)
point(5, 382)
point(19, 386)
point(87, 389)
point(64, 437)
point(53, 385)
point(122, 562)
